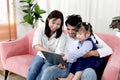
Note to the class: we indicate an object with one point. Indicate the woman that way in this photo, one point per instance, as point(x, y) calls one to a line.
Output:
point(49, 38)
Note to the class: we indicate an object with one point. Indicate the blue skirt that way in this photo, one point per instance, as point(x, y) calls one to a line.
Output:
point(96, 63)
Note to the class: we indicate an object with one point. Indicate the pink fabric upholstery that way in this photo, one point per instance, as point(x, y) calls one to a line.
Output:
point(16, 55)
point(1, 66)
point(113, 65)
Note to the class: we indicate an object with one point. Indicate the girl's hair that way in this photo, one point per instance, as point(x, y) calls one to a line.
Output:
point(73, 20)
point(87, 26)
point(54, 14)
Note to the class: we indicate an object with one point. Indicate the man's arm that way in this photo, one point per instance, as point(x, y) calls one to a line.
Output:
point(91, 53)
point(102, 51)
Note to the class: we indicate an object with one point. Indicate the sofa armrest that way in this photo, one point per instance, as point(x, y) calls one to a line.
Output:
point(112, 68)
point(13, 48)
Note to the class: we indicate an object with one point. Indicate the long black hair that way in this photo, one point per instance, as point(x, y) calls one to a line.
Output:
point(54, 14)
point(87, 26)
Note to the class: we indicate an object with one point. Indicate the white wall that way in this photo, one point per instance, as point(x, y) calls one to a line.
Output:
point(22, 28)
point(98, 12)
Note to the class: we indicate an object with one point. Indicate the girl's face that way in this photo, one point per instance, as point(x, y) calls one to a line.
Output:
point(82, 34)
point(54, 24)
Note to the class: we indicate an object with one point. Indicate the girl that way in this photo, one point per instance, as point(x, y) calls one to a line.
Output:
point(84, 33)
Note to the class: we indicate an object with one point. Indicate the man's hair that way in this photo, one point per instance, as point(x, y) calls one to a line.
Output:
point(73, 20)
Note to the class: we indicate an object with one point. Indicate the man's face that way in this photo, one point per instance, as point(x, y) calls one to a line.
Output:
point(71, 31)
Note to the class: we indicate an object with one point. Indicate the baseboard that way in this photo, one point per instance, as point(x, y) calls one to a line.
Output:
point(2, 72)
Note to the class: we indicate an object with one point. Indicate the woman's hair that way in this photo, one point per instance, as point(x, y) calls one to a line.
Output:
point(54, 14)
point(87, 27)
point(73, 20)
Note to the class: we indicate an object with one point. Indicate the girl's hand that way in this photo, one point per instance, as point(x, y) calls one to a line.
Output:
point(61, 65)
point(64, 58)
point(62, 54)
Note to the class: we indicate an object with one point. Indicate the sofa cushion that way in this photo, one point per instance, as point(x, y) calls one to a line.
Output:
point(19, 64)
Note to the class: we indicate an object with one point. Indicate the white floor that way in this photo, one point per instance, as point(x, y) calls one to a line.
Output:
point(12, 77)
point(1, 77)
point(16, 77)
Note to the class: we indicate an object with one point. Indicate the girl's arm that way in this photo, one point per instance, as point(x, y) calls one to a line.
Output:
point(85, 48)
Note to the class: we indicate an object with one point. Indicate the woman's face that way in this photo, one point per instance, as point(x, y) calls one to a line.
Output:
point(54, 24)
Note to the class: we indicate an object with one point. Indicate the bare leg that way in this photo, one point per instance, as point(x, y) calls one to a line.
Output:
point(77, 75)
point(70, 77)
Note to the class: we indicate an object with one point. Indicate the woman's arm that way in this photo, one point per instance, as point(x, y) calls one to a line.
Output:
point(38, 47)
point(60, 48)
point(37, 39)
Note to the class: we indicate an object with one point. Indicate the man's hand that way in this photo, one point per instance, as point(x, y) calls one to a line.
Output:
point(91, 53)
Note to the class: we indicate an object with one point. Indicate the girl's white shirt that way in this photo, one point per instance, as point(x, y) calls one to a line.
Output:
point(52, 44)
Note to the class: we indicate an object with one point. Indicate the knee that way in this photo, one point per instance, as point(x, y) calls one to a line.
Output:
point(89, 70)
point(34, 68)
point(51, 71)
point(89, 73)
point(48, 70)
point(36, 65)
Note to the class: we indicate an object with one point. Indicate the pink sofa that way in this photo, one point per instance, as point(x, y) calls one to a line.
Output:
point(112, 68)
point(16, 55)
point(1, 68)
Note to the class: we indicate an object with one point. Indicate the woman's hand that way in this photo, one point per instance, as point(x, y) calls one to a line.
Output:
point(38, 47)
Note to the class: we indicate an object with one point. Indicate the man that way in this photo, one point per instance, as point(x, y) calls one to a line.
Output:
point(54, 72)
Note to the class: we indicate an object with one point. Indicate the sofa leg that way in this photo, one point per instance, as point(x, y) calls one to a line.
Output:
point(6, 74)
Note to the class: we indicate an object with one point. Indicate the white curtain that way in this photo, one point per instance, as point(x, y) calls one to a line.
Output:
point(98, 12)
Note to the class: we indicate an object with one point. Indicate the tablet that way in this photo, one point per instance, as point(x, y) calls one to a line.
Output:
point(53, 58)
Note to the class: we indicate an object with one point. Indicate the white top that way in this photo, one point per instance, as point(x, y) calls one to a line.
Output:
point(53, 44)
point(103, 48)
